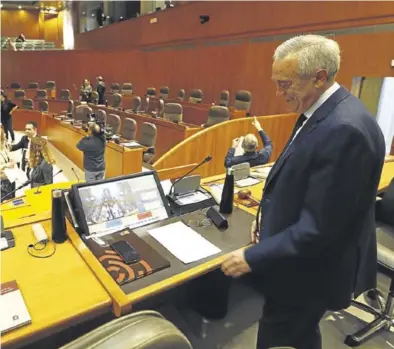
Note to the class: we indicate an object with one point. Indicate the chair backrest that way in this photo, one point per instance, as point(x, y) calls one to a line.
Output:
point(114, 121)
point(136, 104)
point(151, 91)
point(82, 113)
point(101, 115)
point(224, 98)
point(43, 106)
point(181, 95)
point(65, 94)
point(164, 92)
point(196, 96)
point(32, 85)
point(15, 85)
point(19, 94)
point(173, 112)
point(243, 100)
point(50, 85)
point(386, 206)
point(115, 87)
point(148, 134)
point(116, 100)
point(94, 97)
point(241, 171)
point(139, 330)
point(41, 94)
point(27, 104)
point(127, 88)
point(129, 130)
point(216, 115)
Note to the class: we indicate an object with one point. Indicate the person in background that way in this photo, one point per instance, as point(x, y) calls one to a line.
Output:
point(24, 144)
point(101, 90)
point(93, 148)
point(41, 162)
point(11, 45)
point(7, 108)
point(20, 38)
point(249, 145)
point(5, 162)
point(86, 91)
point(314, 235)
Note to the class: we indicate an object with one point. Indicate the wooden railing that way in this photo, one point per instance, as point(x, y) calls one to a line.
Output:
point(216, 140)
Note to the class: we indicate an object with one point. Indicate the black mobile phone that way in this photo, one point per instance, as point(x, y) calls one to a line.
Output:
point(126, 251)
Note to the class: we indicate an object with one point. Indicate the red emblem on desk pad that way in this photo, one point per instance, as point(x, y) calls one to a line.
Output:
point(122, 273)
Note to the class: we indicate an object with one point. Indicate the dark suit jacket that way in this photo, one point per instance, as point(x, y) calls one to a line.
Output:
point(317, 231)
point(22, 144)
point(254, 158)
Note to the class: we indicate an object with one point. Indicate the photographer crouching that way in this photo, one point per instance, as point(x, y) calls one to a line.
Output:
point(93, 148)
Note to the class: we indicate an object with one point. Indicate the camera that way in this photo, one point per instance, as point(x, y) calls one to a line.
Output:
point(105, 130)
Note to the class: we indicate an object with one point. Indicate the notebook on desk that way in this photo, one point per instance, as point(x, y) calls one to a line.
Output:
point(14, 312)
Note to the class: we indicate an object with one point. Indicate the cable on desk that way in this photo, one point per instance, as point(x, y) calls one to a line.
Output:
point(40, 246)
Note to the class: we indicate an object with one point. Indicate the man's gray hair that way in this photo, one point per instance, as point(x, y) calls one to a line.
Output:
point(250, 143)
point(313, 52)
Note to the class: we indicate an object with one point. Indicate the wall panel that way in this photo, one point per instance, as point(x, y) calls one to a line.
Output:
point(212, 68)
point(15, 22)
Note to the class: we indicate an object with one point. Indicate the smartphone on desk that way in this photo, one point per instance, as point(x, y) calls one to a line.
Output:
point(126, 251)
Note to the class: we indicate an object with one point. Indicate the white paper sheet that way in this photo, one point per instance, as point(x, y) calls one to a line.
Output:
point(183, 242)
point(15, 174)
point(239, 150)
point(246, 182)
point(166, 185)
point(191, 198)
point(131, 144)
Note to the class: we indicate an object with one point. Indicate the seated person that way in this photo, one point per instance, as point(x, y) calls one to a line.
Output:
point(41, 162)
point(86, 91)
point(249, 146)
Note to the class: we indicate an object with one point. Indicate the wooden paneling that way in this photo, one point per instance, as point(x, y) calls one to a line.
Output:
point(211, 68)
point(20, 117)
point(234, 19)
point(15, 22)
point(216, 141)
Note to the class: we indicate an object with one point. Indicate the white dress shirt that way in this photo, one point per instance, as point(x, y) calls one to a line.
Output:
point(325, 95)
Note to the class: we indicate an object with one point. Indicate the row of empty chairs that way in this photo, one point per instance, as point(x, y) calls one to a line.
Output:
point(29, 44)
point(127, 131)
point(49, 85)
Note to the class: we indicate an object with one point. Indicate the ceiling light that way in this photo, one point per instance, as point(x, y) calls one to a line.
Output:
point(83, 13)
point(1, 5)
point(121, 17)
point(92, 14)
point(108, 17)
point(20, 7)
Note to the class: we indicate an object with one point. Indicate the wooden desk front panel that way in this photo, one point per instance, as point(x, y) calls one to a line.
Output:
point(59, 291)
point(56, 106)
point(21, 116)
point(119, 160)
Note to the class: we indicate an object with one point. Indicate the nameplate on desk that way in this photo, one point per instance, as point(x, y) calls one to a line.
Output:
point(14, 312)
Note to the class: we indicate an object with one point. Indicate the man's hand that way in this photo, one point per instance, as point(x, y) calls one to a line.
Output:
point(236, 142)
point(256, 124)
point(235, 265)
point(254, 235)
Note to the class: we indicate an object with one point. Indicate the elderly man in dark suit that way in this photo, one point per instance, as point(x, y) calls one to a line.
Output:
point(314, 235)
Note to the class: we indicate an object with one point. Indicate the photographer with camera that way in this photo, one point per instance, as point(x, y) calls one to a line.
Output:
point(93, 148)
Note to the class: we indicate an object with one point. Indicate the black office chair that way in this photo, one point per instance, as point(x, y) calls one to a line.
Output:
point(384, 318)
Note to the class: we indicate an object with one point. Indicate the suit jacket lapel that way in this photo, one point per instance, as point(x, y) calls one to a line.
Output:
point(319, 115)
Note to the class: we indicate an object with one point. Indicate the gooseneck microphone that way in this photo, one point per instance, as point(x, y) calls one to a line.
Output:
point(15, 190)
point(38, 191)
point(75, 174)
point(207, 159)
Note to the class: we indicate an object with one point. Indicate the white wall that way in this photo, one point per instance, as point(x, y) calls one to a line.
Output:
point(385, 115)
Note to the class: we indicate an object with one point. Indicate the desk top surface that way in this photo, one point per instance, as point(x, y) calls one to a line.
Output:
point(58, 291)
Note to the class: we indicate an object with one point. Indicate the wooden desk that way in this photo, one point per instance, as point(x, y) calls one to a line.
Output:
point(21, 116)
point(55, 106)
point(168, 133)
point(119, 160)
point(60, 291)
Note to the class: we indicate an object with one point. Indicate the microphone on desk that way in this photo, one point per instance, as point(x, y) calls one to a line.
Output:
point(38, 191)
point(207, 159)
point(75, 174)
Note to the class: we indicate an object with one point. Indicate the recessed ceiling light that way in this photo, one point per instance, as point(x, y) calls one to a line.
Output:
point(121, 17)
point(83, 13)
point(108, 17)
point(20, 7)
point(92, 14)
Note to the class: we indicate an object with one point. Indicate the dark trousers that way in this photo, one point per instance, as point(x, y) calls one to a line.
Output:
point(295, 326)
point(7, 124)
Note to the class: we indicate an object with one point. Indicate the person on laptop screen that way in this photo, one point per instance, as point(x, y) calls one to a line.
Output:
point(247, 149)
